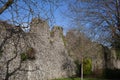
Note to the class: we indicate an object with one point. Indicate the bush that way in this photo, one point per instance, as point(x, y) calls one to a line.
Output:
point(29, 54)
point(87, 66)
point(23, 56)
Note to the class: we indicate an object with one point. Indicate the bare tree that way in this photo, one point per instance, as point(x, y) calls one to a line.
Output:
point(102, 18)
point(6, 5)
point(18, 12)
point(99, 19)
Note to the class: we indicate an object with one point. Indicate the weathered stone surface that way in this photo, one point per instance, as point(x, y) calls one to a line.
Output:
point(53, 53)
point(51, 58)
point(80, 46)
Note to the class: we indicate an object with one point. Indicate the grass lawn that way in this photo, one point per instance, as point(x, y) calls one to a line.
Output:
point(78, 79)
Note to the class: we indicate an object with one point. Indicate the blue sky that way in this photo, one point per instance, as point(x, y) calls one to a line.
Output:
point(61, 19)
point(59, 15)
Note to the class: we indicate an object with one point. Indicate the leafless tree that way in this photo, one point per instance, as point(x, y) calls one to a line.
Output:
point(80, 47)
point(102, 18)
point(99, 19)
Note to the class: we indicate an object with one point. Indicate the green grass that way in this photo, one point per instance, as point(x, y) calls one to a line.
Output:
point(78, 79)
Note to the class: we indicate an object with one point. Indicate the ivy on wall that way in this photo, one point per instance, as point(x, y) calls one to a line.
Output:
point(29, 54)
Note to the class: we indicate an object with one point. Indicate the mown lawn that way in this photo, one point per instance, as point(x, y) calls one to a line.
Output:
point(78, 79)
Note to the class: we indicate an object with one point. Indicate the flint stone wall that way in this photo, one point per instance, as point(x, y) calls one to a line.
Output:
point(51, 58)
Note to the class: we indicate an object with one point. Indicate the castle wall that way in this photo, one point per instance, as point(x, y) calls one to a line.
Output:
point(51, 57)
point(80, 46)
point(51, 54)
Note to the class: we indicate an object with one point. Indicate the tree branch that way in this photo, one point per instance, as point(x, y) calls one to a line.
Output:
point(6, 5)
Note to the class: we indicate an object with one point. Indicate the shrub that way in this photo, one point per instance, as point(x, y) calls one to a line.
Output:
point(87, 66)
point(29, 54)
point(23, 56)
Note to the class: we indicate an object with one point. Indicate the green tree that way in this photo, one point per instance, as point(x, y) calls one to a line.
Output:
point(87, 66)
